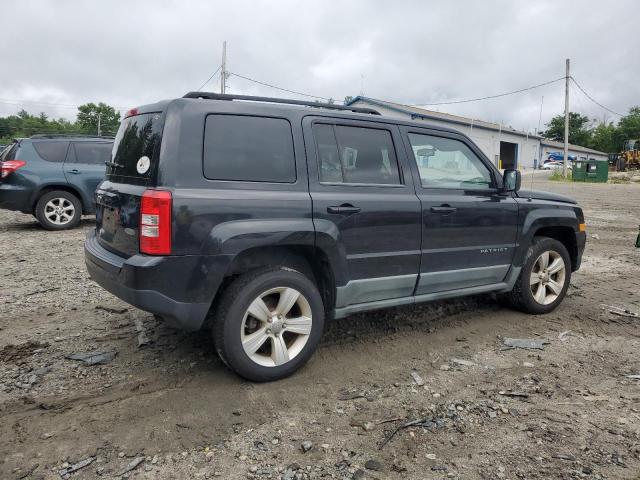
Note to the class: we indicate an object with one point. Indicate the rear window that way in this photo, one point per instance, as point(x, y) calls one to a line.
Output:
point(52, 151)
point(92, 153)
point(136, 146)
point(9, 153)
point(250, 149)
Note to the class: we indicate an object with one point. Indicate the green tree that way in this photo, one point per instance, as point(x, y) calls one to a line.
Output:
point(23, 124)
point(629, 126)
point(89, 114)
point(579, 132)
point(604, 137)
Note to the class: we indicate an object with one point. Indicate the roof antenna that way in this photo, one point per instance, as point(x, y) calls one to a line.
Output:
point(362, 84)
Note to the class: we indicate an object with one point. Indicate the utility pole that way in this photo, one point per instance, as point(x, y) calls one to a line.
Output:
point(540, 115)
point(566, 123)
point(223, 68)
point(99, 121)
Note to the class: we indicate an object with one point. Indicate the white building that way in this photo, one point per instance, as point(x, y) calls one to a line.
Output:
point(507, 147)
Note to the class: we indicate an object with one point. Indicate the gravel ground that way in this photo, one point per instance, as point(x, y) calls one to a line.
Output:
point(169, 409)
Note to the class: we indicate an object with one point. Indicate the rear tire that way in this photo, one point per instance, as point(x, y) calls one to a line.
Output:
point(267, 323)
point(58, 210)
point(544, 278)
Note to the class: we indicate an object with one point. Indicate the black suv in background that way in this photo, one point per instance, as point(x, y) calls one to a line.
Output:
point(263, 217)
point(53, 177)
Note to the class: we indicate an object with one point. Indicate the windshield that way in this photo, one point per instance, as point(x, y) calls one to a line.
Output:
point(135, 148)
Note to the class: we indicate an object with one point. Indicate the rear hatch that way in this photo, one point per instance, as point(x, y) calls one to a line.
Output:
point(131, 170)
point(9, 155)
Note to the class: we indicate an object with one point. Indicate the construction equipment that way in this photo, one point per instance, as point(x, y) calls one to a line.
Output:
point(629, 158)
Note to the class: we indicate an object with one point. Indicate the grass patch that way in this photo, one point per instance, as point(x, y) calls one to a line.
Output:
point(619, 180)
point(557, 176)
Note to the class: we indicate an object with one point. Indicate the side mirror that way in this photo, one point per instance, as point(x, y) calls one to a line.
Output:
point(511, 180)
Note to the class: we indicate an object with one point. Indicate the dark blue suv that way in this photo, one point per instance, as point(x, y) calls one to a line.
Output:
point(260, 218)
point(53, 177)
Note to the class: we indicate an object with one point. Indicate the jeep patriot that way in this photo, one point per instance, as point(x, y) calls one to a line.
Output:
point(262, 218)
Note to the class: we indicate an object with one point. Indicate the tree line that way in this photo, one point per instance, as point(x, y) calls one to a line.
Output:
point(23, 124)
point(606, 137)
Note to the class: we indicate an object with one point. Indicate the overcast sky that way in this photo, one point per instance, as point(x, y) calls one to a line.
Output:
point(128, 53)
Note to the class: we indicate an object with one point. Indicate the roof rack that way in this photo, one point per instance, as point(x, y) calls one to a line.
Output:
point(219, 96)
point(69, 135)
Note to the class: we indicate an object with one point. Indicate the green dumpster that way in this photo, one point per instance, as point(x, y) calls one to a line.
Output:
point(590, 171)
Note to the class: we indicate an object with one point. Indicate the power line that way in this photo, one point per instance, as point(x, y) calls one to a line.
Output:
point(277, 88)
point(29, 102)
point(489, 97)
point(593, 100)
point(35, 131)
point(63, 105)
point(209, 79)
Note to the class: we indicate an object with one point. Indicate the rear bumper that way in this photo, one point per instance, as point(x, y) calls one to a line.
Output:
point(15, 197)
point(177, 288)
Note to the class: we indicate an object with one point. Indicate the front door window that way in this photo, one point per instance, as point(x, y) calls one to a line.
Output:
point(448, 163)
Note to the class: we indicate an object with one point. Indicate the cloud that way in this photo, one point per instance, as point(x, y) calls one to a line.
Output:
point(130, 53)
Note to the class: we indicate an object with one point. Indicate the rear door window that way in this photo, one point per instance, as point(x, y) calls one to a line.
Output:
point(52, 151)
point(356, 155)
point(136, 147)
point(92, 153)
point(249, 149)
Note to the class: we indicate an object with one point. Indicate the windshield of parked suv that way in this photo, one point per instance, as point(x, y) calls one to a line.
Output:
point(136, 146)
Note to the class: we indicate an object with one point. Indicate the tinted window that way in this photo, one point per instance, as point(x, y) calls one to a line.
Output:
point(138, 136)
point(356, 155)
point(448, 163)
point(9, 153)
point(93, 153)
point(253, 149)
point(52, 151)
point(328, 158)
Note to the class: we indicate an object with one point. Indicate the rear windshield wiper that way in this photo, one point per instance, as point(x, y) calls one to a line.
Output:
point(109, 163)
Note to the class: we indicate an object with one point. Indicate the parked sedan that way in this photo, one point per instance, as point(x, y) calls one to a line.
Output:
point(551, 166)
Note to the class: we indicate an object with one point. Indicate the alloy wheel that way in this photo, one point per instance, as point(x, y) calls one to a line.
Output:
point(59, 211)
point(276, 326)
point(547, 277)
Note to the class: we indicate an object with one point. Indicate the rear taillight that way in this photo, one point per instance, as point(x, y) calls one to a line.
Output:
point(155, 222)
point(10, 166)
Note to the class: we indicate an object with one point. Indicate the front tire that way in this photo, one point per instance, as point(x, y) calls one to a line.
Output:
point(268, 323)
point(544, 278)
point(58, 210)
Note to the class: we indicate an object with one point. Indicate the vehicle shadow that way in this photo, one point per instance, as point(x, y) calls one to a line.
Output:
point(423, 317)
point(190, 347)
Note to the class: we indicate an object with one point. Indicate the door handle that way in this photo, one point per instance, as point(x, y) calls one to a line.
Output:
point(344, 209)
point(75, 170)
point(443, 209)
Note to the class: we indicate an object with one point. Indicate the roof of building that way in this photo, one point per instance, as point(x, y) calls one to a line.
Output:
point(422, 113)
point(576, 148)
point(417, 112)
